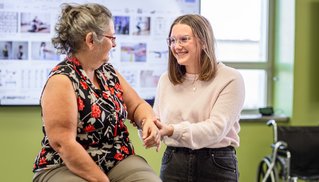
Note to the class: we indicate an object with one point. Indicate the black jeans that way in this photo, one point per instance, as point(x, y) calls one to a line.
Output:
point(203, 165)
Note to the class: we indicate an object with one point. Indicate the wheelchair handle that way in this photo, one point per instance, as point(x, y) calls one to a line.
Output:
point(271, 122)
point(274, 125)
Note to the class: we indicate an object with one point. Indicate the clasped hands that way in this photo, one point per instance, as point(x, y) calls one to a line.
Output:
point(153, 131)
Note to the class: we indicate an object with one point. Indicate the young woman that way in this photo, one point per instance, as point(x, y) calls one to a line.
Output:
point(198, 101)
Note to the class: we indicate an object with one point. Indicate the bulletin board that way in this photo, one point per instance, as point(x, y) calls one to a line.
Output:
point(27, 55)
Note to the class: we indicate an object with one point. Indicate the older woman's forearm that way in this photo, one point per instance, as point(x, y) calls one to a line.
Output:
point(143, 113)
point(79, 162)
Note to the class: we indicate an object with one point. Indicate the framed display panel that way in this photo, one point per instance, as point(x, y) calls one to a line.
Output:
point(27, 55)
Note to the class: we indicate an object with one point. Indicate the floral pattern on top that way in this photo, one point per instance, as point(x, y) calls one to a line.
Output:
point(101, 115)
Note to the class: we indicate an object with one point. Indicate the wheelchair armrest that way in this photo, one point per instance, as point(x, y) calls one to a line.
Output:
point(279, 146)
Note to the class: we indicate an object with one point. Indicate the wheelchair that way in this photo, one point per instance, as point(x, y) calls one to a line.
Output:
point(294, 156)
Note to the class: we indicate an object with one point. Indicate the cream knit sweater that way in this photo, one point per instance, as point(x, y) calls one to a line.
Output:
point(203, 114)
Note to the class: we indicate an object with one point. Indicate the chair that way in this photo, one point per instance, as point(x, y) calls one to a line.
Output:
point(295, 155)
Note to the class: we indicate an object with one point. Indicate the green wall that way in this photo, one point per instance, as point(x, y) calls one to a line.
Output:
point(306, 74)
point(295, 91)
point(296, 60)
point(20, 137)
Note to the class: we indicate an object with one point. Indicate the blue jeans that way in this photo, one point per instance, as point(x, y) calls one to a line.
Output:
point(203, 165)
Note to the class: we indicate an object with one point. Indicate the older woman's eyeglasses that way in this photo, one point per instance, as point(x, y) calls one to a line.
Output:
point(112, 38)
point(181, 40)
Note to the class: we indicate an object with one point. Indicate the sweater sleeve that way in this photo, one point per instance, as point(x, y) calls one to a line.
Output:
point(158, 97)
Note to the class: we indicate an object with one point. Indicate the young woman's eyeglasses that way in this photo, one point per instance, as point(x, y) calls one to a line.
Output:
point(112, 38)
point(181, 40)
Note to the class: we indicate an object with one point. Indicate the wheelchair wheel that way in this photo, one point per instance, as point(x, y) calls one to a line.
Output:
point(262, 170)
point(282, 168)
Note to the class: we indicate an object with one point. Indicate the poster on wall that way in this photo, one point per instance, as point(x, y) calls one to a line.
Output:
point(27, 55)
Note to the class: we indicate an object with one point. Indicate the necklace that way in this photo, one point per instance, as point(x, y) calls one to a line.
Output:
point(194, 83)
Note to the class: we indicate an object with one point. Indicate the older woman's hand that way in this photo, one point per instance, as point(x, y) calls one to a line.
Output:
point(150, 134)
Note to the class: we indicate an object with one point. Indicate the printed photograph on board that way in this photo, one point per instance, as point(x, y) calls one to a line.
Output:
point(6, 50)
point(20, 50)
point(142, 25)
point(35, 22)
point(133, 52)
point(122, 25)
point(43, 50)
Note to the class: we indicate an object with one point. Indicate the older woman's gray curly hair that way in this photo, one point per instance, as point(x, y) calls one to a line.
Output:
point(75, 22)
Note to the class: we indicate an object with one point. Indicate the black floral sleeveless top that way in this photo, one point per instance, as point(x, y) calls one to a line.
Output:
point(101, 115)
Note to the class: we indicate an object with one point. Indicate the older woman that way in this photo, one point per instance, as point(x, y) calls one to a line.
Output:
point(85, 103)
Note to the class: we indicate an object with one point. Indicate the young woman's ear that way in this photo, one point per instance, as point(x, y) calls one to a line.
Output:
point(203, 45)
